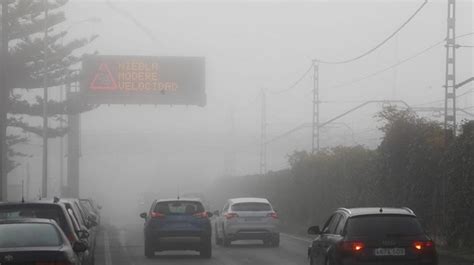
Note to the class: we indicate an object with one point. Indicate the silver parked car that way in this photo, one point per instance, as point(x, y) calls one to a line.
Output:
point(247, 219)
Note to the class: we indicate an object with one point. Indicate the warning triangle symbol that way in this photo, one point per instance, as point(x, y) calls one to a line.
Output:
point(103, 79)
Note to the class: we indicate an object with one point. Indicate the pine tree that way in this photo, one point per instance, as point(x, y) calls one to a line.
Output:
point(25, 69)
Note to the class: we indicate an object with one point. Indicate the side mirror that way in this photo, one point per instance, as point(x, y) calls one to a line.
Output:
point(143, 215)
point(216, 213)
point(83, 234)
point(314, 230)
point(92, 220)
point(80, 247)
point(209, 214)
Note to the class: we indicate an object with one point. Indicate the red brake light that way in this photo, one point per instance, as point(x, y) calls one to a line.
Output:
point(273, 215)
point(353, 246)
point(423, 245)
point(201, 215)
point(230, 215)
point(157, 215)
point(71, 238)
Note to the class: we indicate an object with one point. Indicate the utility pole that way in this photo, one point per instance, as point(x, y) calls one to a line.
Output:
point(263, 136)
point(73, 146)
point(315, 147)
point(44, 190)
point(28, 180)
point(450, 83)
point(4, 94)
point(61, 145)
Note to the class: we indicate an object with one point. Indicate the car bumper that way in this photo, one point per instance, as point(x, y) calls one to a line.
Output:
point(178, 240)
point(245, 232)
point(386, 262)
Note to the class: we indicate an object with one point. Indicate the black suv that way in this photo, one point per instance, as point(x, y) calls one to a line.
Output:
point(177, 224)
point(371, 236)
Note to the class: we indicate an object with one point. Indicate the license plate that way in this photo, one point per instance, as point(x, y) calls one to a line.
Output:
point(253, 219)
point(389, 252)
point(181, 225)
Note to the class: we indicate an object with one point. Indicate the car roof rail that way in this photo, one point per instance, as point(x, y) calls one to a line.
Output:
point(344, 210)
point(408, 210)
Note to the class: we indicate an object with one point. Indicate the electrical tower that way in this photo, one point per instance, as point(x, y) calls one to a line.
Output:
point(450, 83)
point(315, 124)
point(263, 136)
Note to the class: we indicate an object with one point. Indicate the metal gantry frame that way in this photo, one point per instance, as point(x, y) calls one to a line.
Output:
point(450, 76)
point(315, 144)
point(263, 135)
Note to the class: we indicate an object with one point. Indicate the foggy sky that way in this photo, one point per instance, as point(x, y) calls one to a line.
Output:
point(249, 46)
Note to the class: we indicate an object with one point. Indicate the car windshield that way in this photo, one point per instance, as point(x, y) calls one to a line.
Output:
point(179, 207)
point(251, 207)
point(29, 235)
point(383, 226)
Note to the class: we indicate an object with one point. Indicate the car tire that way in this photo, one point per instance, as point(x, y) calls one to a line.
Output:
point(149, 250)
point(206, 249)
point(328, 261)
point(275, 242)
point(225, 241)
point(217, 238)
point(267, 242)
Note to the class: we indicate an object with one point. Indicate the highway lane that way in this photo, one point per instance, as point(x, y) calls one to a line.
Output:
point(124, 246)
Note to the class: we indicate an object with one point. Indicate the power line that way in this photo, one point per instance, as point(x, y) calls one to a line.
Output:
point(135, 21)
point(416, 55)
point(295, 83)
point(381, 43)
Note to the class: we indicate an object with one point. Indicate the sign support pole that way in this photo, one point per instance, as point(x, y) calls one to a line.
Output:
point(73, 150)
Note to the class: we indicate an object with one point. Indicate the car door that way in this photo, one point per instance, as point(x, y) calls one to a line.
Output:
point(316, 245)
point(325, 241)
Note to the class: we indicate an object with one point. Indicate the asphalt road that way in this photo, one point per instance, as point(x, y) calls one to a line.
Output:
point(124, 246)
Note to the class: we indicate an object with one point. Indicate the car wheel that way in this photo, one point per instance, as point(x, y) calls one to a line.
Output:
point(225, 241)
point(275, 241)
point(149, 251)
point(217, 238)
point(206, 250)
point(328, 261)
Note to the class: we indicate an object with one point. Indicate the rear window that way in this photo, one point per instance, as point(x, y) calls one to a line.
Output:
point(251, 207)
point(29, 235)
point(51, 212)
point(179, 207)
point(381, 226)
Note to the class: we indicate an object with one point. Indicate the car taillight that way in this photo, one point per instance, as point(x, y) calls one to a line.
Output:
point(273, 215)
point(352, 246)
point(157, 215)
point(423, 245)
point(201, 215)
point(71, 238)
point(230, 215)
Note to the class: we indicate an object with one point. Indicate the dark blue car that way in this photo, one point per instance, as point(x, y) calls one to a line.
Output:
point(177, 224)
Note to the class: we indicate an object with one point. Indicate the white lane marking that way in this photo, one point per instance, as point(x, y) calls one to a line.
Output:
point(307, 240)
point(108, 257)
point(122, 239)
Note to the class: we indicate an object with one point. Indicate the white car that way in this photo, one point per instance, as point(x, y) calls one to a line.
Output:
point(247, 219)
